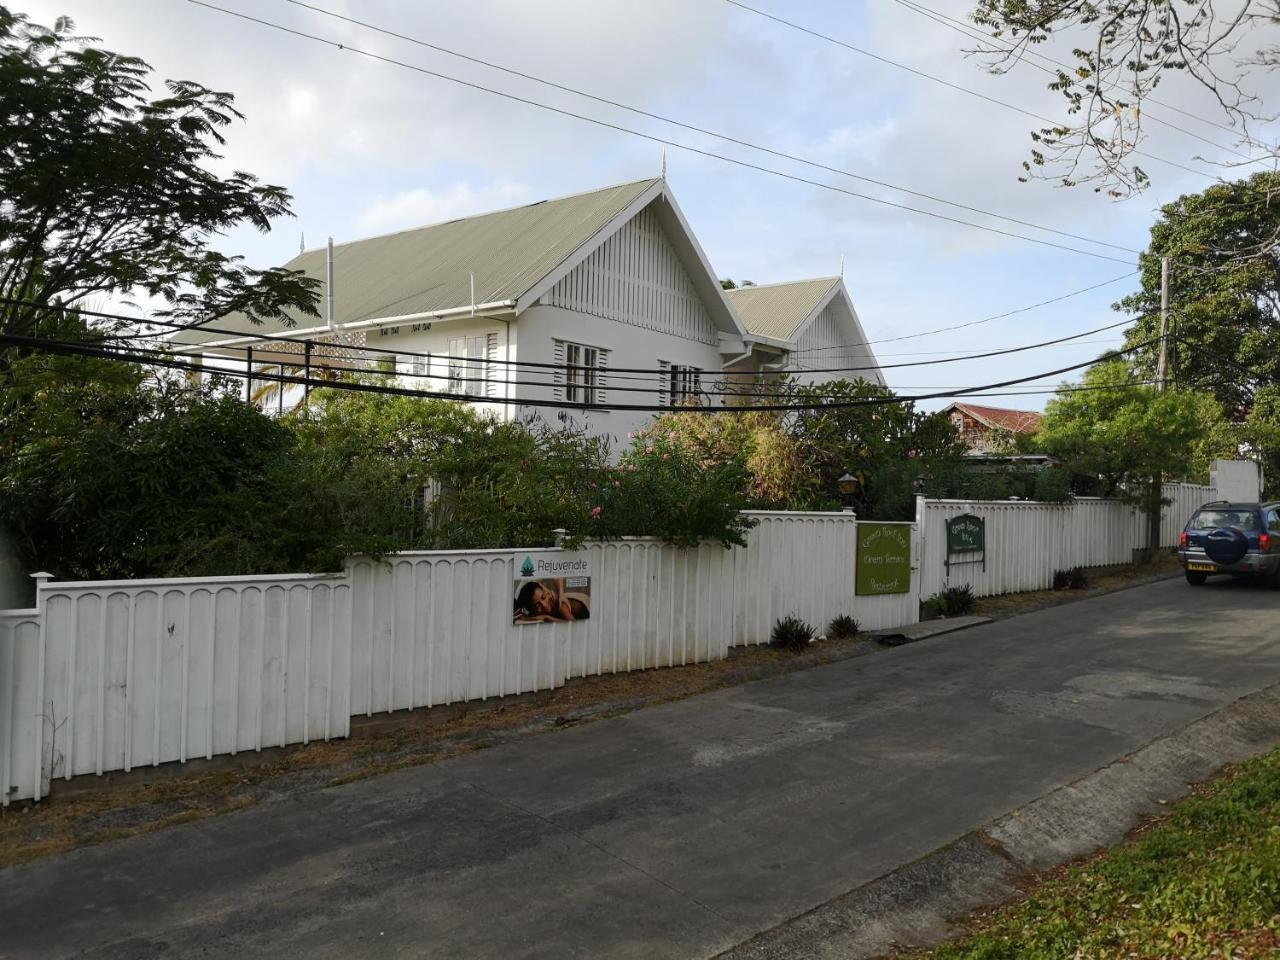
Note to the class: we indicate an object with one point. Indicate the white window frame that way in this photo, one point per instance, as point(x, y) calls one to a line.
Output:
point(467, 363)
point(581, 373)
point(684, 382)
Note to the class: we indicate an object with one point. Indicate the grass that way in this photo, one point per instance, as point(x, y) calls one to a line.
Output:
point(1203, 882)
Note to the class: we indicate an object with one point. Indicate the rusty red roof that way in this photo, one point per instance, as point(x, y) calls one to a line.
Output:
point(1002, 418)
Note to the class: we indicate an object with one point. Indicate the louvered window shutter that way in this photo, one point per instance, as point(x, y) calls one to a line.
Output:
point(602, 369)
point(557, 389)
point(490, 368)
point(664, 380)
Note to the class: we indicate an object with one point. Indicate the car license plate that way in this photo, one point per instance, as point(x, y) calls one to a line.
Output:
point(1206, 567)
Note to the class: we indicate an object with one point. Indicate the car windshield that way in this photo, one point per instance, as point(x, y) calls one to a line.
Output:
point(1225, 519)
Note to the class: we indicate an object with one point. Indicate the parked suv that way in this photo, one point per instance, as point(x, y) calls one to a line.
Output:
point(1236, 538)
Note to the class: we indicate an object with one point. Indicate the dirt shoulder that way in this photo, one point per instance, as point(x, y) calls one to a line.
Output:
point(92, 810)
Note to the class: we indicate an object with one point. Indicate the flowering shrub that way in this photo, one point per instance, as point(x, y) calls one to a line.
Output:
point(661, 489)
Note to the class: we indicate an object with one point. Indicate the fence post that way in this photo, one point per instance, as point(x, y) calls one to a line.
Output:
point(41, 579)
point(561, 534)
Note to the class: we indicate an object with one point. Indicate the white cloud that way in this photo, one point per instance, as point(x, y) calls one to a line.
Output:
point(418, 207)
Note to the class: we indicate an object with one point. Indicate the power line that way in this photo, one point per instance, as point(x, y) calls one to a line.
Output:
point(695, 128)
point(1010, 313)
point(128, 356)
point(965, 29)
point(543, 365)
point(928, 76)
point(648, 136)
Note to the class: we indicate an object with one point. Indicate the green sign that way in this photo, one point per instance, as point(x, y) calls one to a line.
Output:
point(884, 559)
point(966, 534)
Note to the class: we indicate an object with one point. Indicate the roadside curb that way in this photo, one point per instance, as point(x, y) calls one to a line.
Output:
point(897, 636)
point(913, 905)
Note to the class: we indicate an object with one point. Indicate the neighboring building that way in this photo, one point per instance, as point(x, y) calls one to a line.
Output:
point(990, 429)
point(809, 327)
point(566, 308)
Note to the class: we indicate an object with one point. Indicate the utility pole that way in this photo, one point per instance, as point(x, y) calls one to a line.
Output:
point(1162, 365)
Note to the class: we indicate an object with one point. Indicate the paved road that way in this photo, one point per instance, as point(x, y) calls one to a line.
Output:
point(676, 831)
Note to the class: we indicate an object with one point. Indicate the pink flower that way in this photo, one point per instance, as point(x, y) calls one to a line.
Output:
point(666, 456)
point(617, 485)
point(671, 435)
point(595, 512)
point(648, 449)
point(631, 435)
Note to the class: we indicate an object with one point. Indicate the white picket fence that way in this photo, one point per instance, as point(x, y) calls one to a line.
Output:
point(1026, 543)
point(107, 676)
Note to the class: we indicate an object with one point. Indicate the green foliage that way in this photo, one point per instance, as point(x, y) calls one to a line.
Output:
point(842, 627)
point(1071, 579)
point(952, 602)
point(1126, 434)
point(109, 189)
point(496, 483)
point(663, 488)
point(1189, 887)
point(1224, 289)
point(791, 633)
point(105, 475)
point(885, 447)
point(777, 472)
point(1262, 433)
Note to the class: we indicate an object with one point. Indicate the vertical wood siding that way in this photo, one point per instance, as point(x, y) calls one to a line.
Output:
point(826, 343)
point(115, 675)
point(1028, 542)
point(636, 277)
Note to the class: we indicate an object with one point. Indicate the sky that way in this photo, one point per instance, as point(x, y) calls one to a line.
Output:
point(366, 147)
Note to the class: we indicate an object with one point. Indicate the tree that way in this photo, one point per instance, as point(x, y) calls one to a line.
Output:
point(1133, 437)
point(778, 474)
point(105, 189)
point(1123, 51)
point(1262, 434)
point(885, 447)
point(1224, 286)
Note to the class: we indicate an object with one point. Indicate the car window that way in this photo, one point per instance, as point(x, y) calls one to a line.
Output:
point(1245, 520)
point(1273, 521)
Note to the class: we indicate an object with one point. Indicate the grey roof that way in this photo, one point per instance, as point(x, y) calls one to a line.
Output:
point(429, 268)
point(779, 310)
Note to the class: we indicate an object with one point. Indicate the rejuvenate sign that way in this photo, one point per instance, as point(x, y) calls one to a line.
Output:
point(884, 559)
point(551, 586)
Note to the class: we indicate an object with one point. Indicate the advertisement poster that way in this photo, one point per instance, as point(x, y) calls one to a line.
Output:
point(551, 587)
point(884, 559)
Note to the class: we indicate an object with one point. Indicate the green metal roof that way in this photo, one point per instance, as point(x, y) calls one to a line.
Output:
point(779, 310)
point(430, 268)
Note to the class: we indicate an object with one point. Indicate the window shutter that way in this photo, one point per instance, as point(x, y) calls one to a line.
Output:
point(664, 383)
point(557, 379)
point(602, 369)
point(490, 368)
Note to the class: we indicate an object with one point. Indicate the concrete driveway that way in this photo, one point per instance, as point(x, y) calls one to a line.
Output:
point(675, 831)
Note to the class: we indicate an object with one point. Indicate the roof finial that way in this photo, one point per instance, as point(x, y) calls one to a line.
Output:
point(302, 243)
point(664, 163)
point(842, 265)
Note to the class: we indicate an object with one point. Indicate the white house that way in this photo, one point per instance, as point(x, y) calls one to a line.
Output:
point(577, 308)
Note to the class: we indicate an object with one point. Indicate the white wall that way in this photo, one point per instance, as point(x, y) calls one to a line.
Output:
point(834, 340)
point(114, 675)
point(628, 346)
point(1028, 542)
point(1239, 481)
point(433, 337)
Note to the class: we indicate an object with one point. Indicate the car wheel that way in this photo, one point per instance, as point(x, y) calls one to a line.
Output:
point(1197, 577)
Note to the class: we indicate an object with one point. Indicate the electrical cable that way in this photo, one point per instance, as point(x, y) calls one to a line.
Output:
point(80, 349)
point(697, 129)
point(647, 136)
point(959, 26)
point(946, 83)
point(650, 371)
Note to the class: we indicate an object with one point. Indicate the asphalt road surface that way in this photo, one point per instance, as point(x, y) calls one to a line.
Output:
point(675, 831)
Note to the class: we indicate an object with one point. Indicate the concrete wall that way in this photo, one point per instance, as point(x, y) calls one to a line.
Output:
point(1239, 481)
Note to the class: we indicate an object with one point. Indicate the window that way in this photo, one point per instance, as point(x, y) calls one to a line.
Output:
point(467, 366)
point(684, 383)
point(1273, 521)
point(581, 373)
point(1245, 520)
